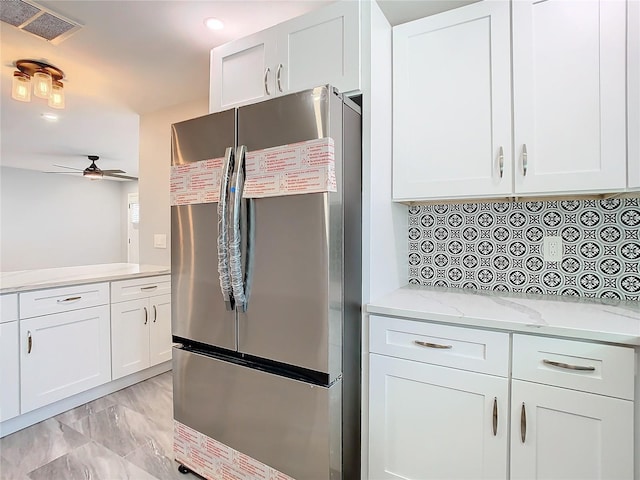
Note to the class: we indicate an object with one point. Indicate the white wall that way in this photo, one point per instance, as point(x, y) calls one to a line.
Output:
point(155, 160)
point(58, 220)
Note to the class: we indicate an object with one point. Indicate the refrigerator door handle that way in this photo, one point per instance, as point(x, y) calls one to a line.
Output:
point(235, 240)
point(223, 230)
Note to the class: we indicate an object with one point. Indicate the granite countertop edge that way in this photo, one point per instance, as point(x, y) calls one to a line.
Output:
point(604, 320)
point(37, 279)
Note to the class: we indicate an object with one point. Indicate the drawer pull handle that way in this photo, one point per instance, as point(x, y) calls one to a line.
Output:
point(431, 345)
point(278, 75)
point(501, 162)
point(525, 160)
point(146, 315)
point(495, 416)
point(68, 299)
point(152, 287)
point(29, 342)
point(155, 314)
point(266, 81)
point(569, 367)
point(523, 424)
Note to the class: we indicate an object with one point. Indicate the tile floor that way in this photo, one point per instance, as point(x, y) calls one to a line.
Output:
point(125, 435)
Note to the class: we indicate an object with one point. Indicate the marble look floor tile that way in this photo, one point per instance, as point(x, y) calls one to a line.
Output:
point(8, 471)
point(155, 459)
point(119, 429)
point(91, 408)
point(165, 380)
point(147, 399)
point(39, 444)
point(91, 461)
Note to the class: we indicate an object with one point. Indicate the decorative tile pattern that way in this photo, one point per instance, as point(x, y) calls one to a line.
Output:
point(499, 246)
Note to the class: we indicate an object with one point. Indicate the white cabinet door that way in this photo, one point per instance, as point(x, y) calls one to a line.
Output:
point(243, 71)
point(452, 104)
point(569, 95)
point(130, 336)
point(633, 92)
point(9, 371)
point(319, 48)
point(63, 354)
point(432, 422)
point(160, 344)
point(566, 434)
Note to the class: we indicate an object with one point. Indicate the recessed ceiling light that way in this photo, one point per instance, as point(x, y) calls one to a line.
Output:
point(214, 24)
point(50, 117)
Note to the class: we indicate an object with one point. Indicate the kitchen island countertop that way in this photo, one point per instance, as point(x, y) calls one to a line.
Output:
point(581, 318)
point(24, 280)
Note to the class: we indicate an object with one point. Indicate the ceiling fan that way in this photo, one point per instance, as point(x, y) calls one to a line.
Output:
point(93, 172)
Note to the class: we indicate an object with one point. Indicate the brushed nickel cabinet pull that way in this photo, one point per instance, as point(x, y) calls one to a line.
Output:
point(523, 424)
point(495, 416)
point(431, 345)
point(29, 341)
point(278, 75)
point(568, 366)
point(266, 81)
point(146, 315)
point(525, 160)
point(68, 299)
point(501, 161)
point(150, 287)
point(155, 314)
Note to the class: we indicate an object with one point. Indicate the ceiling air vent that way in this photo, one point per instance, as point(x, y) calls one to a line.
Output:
point(37, 20)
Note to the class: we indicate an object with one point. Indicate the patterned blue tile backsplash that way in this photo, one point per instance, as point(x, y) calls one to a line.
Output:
point(498, 246)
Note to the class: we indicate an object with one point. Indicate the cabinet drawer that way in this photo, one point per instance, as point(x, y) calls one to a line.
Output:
point(458, 347)
point(140, 288)
point(8, 307)
point(589, 367)
point(57, 300)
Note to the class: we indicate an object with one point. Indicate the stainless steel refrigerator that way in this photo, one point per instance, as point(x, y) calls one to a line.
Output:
point(273, 372)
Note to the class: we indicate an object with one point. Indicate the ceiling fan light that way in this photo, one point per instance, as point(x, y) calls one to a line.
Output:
point(93, 175)
point(42, 84)
point(21, 87)
point(56, 99)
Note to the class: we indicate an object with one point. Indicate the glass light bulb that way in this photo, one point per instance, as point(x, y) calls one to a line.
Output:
point(42, 84)
point(21, 87)
point(56, 99)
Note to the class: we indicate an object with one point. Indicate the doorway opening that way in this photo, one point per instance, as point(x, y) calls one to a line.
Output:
point(133, 228)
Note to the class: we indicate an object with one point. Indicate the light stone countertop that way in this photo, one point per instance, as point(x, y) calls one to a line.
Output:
point(24, 280)
point(581, 318)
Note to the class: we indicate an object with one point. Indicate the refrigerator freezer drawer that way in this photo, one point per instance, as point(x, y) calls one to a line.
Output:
point(289, 425)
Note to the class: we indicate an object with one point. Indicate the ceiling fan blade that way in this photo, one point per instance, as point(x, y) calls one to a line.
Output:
point(70, 168)
point(125, 177)
point(66, 173)
point(113, 171)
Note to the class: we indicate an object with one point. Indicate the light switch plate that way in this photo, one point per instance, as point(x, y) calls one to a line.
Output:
point(552, 249)
point(160, 240)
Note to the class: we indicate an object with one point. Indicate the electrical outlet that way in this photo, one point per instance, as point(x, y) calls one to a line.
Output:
point(160, 240)
point(552, 249)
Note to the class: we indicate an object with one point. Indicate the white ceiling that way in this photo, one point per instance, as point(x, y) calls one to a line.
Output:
point(131, 58)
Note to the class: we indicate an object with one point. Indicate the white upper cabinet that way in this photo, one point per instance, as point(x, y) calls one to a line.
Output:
point(569, 95)
point(320, 47)
point(633, 92)
point(452, 108)
point(453, 117)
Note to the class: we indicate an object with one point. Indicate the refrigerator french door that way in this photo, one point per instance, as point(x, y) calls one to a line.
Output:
point(269, 356)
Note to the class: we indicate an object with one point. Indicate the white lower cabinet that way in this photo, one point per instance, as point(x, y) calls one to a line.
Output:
point(564, 434)
point(432, 422)
point(440, 405)
point(141, 334)
point(63, 354)
point(9, 371)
